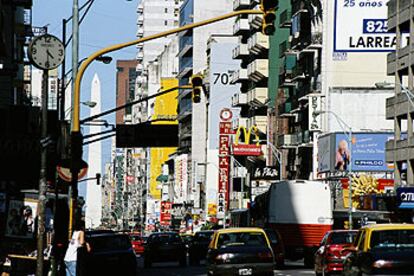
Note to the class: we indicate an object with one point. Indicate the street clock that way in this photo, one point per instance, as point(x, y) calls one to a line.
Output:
point(46, 52)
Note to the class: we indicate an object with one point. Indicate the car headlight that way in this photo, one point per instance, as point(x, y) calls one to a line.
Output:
point(382, 264)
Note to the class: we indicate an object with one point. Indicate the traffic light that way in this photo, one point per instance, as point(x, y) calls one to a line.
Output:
point(197, 84)
point(269, 9)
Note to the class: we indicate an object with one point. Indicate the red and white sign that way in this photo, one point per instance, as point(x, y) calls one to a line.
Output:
point(165, 214)
point(66, 175)
point(247, 150)
point(224, 161)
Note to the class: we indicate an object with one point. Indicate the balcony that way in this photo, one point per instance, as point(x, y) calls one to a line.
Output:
point(299, 72)
point(140, 8)
point(239, 75)
point(140, 20)
point(140, 46)
point(186, 44)
point(258, 70)
point(398, 106)
point(285, 109)
point(241, 26)
point(240, 51)
point(255, 20)
point(139, 67)
point(258, 43)
point(140, 33)
point(257, 96)
point(140, 56)
point(286, 140)
point(259, 121)
point(241, 4)
point(285, 19)
point(403, 15)
point(240, 122)
point(239, 99)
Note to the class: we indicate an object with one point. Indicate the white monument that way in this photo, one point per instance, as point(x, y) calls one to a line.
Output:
point(93, 204)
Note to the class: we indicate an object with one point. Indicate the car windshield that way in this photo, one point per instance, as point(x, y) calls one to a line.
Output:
point(165, 238)
point(343, 237)
point(203, 236)
point(110, 243)
point(242, 238)
point(392, 239)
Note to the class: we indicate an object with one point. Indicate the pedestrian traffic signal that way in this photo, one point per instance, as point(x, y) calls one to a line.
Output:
point(269, 9)
point(197, 84)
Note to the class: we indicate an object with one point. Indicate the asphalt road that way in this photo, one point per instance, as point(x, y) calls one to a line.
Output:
point(164, 269)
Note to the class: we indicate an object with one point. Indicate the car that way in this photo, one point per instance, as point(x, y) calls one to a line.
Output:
point(137, 242)
point(165, 247)
point(110, 254)
point(240, 251)
point(199, 246)
point(382, 249)
point(187, 238)
point(330, 255)
point(277, 246)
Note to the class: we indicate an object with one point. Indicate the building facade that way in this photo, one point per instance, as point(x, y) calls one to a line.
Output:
point(400, 108)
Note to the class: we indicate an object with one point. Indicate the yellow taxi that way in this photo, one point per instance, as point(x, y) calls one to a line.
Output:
point(240, 251)
point(382, 249)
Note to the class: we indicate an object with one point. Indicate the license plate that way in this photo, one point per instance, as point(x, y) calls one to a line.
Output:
point(245, 271)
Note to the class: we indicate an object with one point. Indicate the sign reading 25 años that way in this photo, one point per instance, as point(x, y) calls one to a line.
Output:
point(361, 26)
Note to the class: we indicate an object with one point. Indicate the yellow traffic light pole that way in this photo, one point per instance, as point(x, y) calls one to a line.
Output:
point(76, 137)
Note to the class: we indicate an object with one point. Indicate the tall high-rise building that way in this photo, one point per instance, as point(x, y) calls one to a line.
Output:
point(125, 88)
point(192, 59)
point(400, 108)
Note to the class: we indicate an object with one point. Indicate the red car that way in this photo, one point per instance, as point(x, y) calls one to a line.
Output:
point(137, 242)
point(329, 257)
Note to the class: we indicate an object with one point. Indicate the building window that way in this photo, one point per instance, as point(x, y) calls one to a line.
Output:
point(165, 22)
point(166, 10)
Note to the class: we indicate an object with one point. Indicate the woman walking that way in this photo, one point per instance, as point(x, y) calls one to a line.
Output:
point(71, 256)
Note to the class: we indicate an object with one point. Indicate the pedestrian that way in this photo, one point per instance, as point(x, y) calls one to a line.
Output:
point(75, 245)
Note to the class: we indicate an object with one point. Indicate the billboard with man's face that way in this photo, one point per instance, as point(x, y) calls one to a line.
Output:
point(367, 154)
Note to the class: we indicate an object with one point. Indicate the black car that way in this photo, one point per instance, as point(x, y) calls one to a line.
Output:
point(240, 251)
point(111, 254)
point(199, 246)
point(165, 247)
point(386, 249)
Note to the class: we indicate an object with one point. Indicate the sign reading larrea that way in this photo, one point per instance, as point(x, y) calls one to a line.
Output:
point(361, 26)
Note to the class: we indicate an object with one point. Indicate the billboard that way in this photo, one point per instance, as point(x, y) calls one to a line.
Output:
point(165, 106)
point(181, 178)
point(361, 26)
point(368, 152)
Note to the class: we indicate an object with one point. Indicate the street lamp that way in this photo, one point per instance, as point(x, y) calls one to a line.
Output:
point(404, 90)
point(89, 104)
point(348, 133)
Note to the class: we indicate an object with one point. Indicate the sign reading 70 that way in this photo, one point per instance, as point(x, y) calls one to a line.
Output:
point(222, 78)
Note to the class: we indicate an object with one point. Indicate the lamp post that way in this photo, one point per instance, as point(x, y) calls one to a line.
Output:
point(348, 133)
point(404, 90)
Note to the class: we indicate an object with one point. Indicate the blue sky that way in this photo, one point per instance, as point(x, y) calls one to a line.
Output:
point(108, 22)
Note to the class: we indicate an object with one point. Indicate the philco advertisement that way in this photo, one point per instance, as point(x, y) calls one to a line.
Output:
point(362, 26)
point(367, 154)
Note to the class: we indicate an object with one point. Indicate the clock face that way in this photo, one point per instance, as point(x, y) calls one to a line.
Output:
point(46, 52)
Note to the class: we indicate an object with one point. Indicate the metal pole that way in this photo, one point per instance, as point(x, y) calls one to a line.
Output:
point(43, 177)
point(350, 179)
point(62, 75)
point(75, 135)
point(75, 48)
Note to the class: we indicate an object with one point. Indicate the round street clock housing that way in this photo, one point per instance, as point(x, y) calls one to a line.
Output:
point(46, 52)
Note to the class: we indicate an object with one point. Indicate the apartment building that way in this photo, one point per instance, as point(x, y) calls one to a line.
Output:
point(329, 73)
point(192, 59)
point(400, 108)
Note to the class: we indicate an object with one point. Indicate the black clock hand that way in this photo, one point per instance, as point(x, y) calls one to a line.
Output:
point(49, 54)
